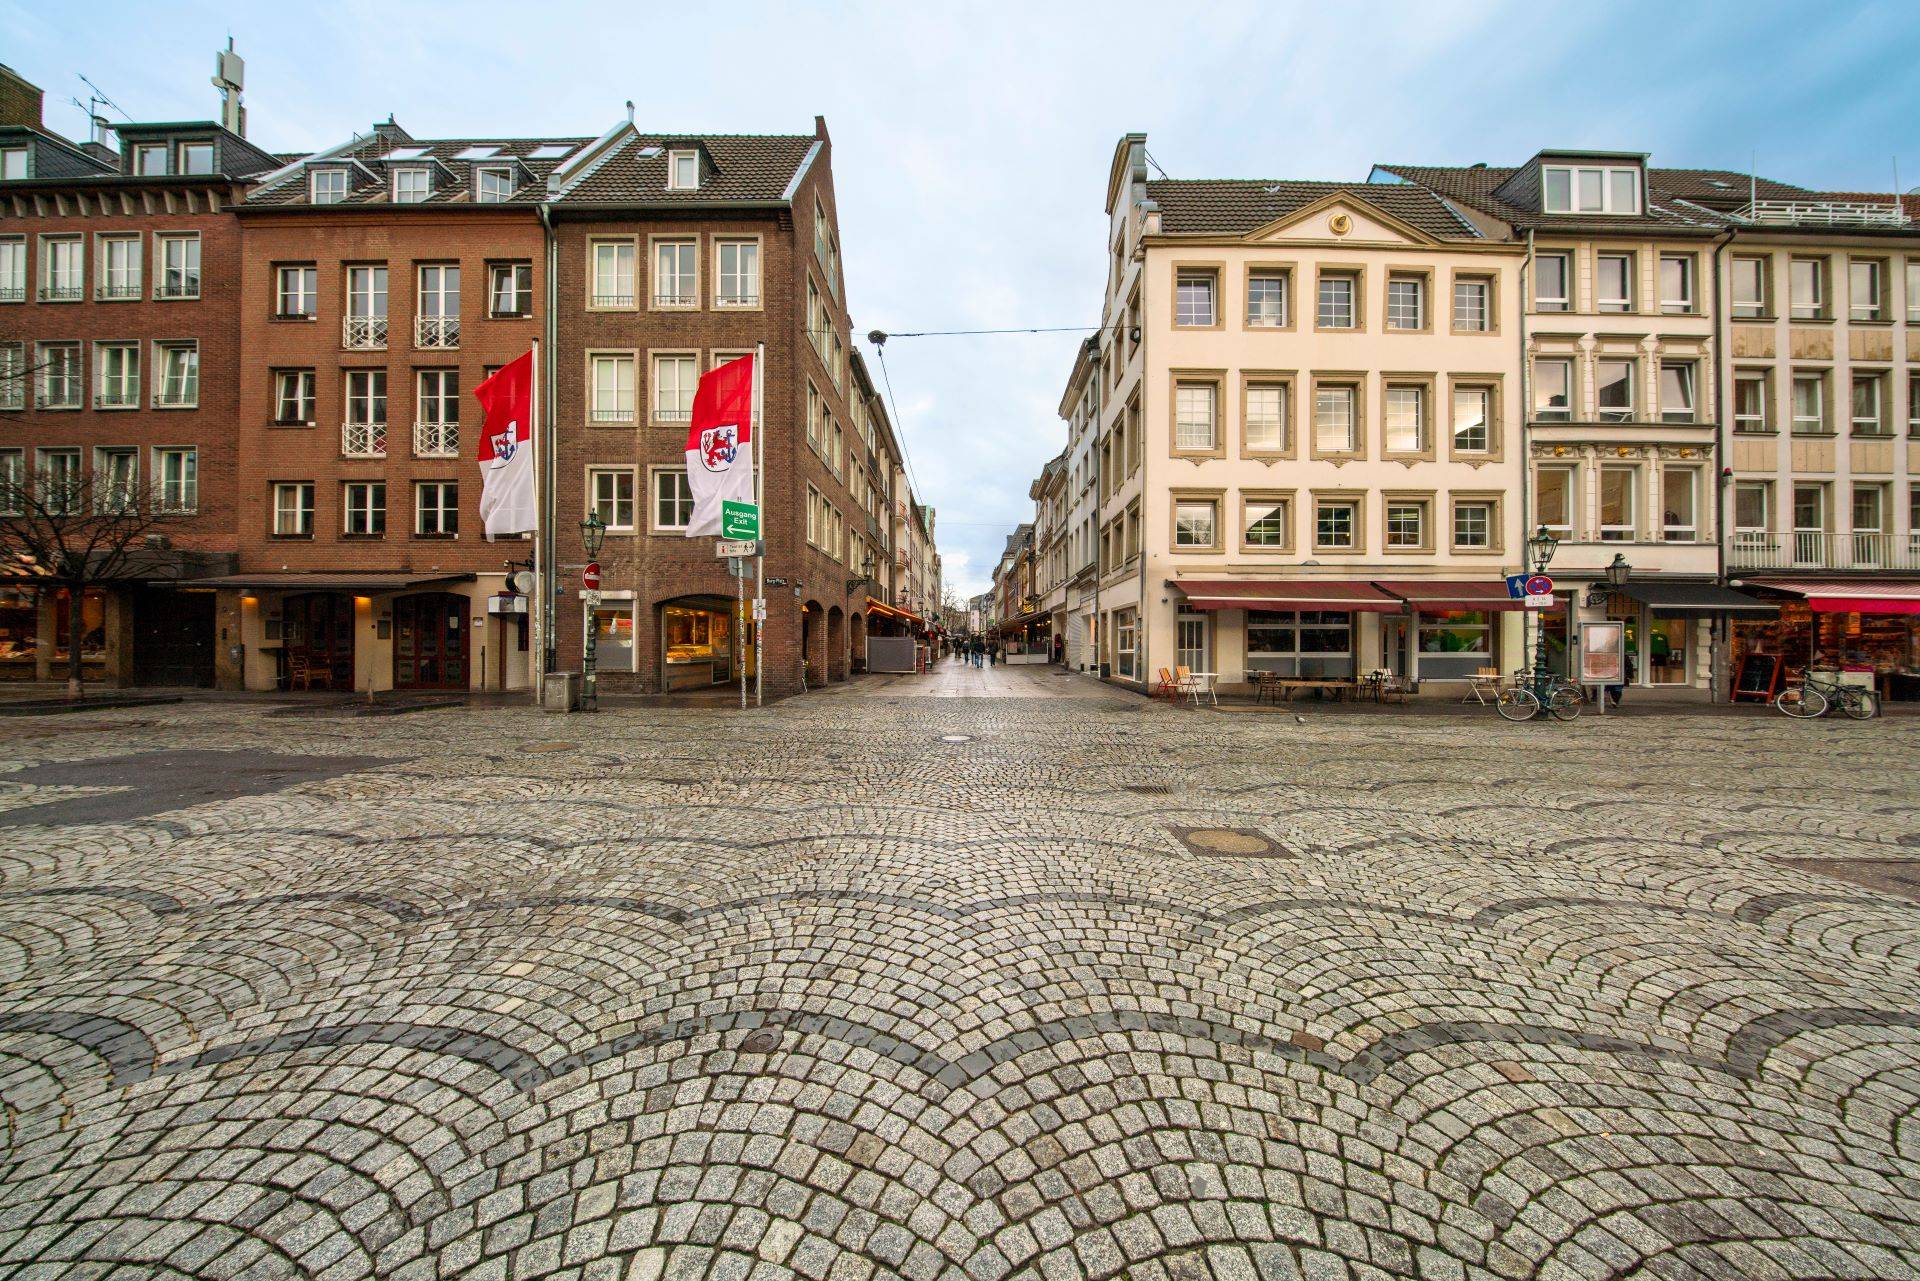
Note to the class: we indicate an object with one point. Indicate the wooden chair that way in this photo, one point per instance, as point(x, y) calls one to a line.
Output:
point(1166, 688)
point(299, 672)
point(1482, 683)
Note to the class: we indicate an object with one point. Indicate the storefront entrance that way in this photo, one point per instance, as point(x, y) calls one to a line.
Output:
point(696, 640)
point(173, 637)
point(430, 641)
point(318, 641)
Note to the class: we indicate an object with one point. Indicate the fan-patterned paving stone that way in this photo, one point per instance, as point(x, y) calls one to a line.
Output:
point(928, 977)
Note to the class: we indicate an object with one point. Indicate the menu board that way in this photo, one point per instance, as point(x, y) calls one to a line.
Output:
point(1758, 677)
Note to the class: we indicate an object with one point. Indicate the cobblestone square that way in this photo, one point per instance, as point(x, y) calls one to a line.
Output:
point(972, 975)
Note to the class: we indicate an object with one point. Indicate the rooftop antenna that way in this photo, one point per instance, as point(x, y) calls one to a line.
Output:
point(230, 77)
point(1753, 179)
point(97, 128)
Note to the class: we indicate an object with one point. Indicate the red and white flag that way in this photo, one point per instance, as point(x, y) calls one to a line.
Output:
point(720, 445)
point(506, 449)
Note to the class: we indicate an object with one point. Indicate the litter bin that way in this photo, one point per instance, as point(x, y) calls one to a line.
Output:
point(561, 693)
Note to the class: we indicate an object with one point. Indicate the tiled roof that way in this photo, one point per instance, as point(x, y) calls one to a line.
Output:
point(1228, 205)
point(1679, 201)
point(743, 167)
point(452, 178)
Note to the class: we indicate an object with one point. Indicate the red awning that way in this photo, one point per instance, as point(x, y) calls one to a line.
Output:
point(892, 611)
point(1854, 597)
point(1286, 594)
point(1431, 595)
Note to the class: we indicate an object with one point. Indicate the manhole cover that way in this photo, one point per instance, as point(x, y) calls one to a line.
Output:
point(765, 1041)
point(956, 738)
point(548, 747)
point(1229, 842)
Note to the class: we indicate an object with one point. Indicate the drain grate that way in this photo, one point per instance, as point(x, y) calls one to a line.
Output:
point(765, 1041)
point(956, 738)
point(1148, 789)
point(1230, 842)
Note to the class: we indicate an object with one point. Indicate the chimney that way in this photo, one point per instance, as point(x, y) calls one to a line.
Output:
point(389, 132)
point(19, 100)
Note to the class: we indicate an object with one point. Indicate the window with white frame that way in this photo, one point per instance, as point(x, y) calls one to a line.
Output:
point(613, 273)
point(1473, 304)
point(13, 163)
point(1406, 302)
point(327, 186)
point(116, 268)
point(196, 157)
point(1269, 523)
point(1749, 286)
point(1753, 507)
point(1752, 398)
point(13, 269)
point(178, 472)
point(367, 397)
point(1334, 428)
point(1552, 282)
point(296, 294)
point(1677, 391)
point(116, 480)
point(1337, 293)
point(683, 171)
point(1590, 189)
point(611, 387)
point(1680, 504)
point(176, 375)
point(365, 503)
point(1809, 404)
point(492, 184)
point(1193, 298)
point(436, 508)
point(1866, 290)
point(1553, 500)
point(738, 265)
point(179, 265)
point(1869, 405)
point(1807, 288)
point(60, 380)
point(672, 499)
point(1266, 418)
point(509, 289)
point(13, 375)
point(610, 493)
point(62, 268)
point(675, 379)
point(293, 398)
point(150, 160)
point(1613, 282)
point(1406, 425)
point(437, 412)
point(1406, 525)
point(1267, 300)
point(1473, 525)
point(116, 371)
point(412, 185)
point(1472, 420)
point(1677, 283)
point(437, 319)
point(1913, 411)
point(1613, 387)
point(1617, 503)
point(59, 480)
point(293, 509)
point(1336, 524)
point(1196, 523)
point(1195, 416)
point(675, 273)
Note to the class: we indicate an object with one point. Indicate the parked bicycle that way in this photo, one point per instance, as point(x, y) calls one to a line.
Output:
point(1821, 691)
point(1524, 697)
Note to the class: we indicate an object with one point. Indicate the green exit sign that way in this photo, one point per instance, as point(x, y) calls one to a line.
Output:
point(739, 520)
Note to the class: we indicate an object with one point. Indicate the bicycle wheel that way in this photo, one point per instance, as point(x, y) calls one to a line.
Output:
point(1564, 703)
point(1801, 702)
point(1517, 704)
point(1859, 704)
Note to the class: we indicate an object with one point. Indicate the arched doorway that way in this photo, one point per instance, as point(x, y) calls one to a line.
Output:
point(430, 641)
point(813, 644)
point(836, 644)
point(317, 639)
point(857, 639)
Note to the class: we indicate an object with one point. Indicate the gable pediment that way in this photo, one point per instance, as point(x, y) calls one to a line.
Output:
point(1341, 218)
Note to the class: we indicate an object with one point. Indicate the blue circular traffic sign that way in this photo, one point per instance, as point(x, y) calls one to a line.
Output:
point(1539, 585)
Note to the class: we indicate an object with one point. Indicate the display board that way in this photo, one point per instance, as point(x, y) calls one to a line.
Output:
point(1758, 677)
point(891, 654)
point(1603, 653)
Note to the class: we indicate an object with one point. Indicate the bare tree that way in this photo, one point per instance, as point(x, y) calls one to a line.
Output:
point(79, 531)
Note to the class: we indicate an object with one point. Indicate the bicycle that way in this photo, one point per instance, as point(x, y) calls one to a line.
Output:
point(1816, 695)
point(1524, 698)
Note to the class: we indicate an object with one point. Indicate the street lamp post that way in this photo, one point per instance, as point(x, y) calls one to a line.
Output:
point(593, 532)
point(1540, 549)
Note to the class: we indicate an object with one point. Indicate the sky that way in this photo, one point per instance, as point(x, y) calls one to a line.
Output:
point(972, 141)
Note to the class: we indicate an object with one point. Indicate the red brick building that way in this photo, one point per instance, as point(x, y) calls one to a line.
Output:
point(120, 305)
point(381, 281)
point(675, 253)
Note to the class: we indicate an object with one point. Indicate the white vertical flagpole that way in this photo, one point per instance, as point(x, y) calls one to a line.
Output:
point(760, 502)
point(537, 622)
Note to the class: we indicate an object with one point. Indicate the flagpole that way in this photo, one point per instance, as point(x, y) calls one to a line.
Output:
point(760, 503)
point(538, 622)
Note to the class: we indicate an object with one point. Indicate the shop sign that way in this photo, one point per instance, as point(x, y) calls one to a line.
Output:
point(1603, 653)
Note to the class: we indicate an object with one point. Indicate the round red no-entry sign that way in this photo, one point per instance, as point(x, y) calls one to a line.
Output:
point(590, 576)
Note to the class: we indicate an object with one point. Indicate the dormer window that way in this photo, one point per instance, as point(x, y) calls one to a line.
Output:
point(1590, 189)
point(196, 157)
point(492, 184)
point(150, 160)
point(329, 186)
point(13, 162)
point(683, 171)
point(411, 186)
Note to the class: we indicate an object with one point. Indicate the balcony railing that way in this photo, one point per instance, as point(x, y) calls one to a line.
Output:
point(117, 293)
point(668, 414)
point(601, 415)
point(436, 332)
point(1817, 549)
point(1826, 213)
point(117, 398)
point(737, 300)
point(436, 440)
point(364, 333)
point(363, 440)
point(613, 300)
point(13, 293)
point(61, 293)
point(178, 284)
point(674, 300)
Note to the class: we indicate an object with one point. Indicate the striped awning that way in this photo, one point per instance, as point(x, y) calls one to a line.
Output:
point(1853, 596)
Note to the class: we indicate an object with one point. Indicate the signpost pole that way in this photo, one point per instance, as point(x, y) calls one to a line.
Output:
point(542, 597)
point(740, 624)
point(760, 501)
